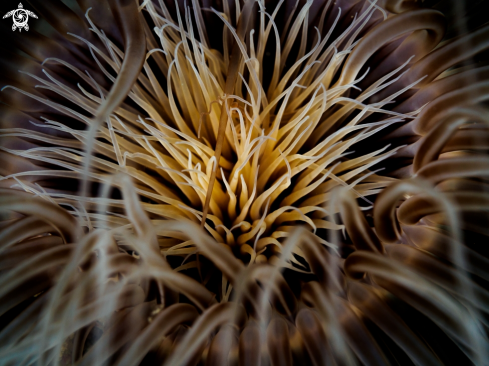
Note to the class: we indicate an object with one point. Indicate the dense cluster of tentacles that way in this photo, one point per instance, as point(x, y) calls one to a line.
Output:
point(245, 183)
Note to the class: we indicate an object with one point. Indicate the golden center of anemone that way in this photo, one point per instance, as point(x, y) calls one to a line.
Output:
point(282, 154)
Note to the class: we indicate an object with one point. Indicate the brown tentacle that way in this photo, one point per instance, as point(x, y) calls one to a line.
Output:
point(278, 343)
point(470, 166)
point(249, 345)
point(444, 105)
point(357, 227)
point(24, 203)
point(315, 340)
point(367, 299)
point(443, 58)
point(128, 18)
point(392, 28)
point(418, 206)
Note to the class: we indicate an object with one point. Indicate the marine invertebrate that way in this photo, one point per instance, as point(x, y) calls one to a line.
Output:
point(267, 124)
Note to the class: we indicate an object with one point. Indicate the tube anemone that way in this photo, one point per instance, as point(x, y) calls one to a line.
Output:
point(245, 183)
